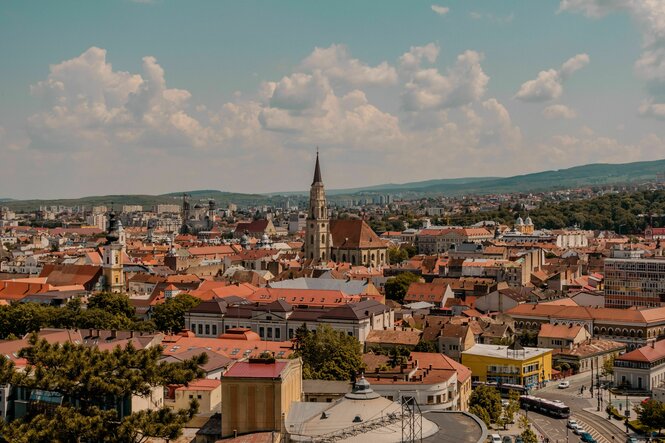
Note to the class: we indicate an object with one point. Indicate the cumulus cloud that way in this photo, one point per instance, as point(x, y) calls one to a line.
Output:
point(88, 105)
point(441, 10)
point(553, 112)
point(548, 85)
point(336, 63)
point(417, 54)
point(463, 83)
point(650, 17)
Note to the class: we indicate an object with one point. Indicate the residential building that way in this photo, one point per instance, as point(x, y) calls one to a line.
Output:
point(513, 364)
point(561, 336)
point(207, 392)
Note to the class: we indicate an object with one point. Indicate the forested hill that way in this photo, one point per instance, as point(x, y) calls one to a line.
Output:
point(626, 213)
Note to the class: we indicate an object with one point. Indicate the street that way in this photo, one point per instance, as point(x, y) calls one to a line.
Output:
point(581, 407)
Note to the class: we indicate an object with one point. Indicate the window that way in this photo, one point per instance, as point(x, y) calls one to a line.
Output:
point(261, 332)
point(207, 329)
point(430, 399)
point(193, 328)
point(199, 397)
point(214, 329)
point(269, 332)
point(200, 329)
point(191, 396)
point(290, 332)
point(278, 333)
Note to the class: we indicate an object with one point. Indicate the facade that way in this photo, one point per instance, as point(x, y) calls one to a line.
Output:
point(561, 336)
point(206, 391)
point(278, 321)
point(632, 327)
point(513, 364)
point(634, 282)
point(438, 241)
point(642, 369)
point(258, 394)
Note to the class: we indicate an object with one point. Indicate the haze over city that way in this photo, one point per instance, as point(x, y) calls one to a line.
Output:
point(160, 96)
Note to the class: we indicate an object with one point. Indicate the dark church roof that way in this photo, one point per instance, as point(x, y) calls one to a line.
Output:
point(317, 171)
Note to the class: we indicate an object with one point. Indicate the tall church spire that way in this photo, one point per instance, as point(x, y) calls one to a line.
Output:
point(317, 169)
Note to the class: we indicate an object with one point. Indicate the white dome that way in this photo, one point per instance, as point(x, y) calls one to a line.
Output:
point(528, 221)
point(519, 221)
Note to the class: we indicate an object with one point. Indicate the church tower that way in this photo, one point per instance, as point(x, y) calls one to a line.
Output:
point(317, 230)
point(112, 256)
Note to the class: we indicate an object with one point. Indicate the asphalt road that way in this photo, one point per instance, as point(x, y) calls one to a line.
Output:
point(603, 430)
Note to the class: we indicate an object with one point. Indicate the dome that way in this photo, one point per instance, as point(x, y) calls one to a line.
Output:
point(528, 221)
point(519, 221)
point(265, 239)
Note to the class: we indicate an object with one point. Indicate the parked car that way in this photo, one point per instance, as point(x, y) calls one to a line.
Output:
point(518, 439)
point(495, 438)
point(631, 440)
point(577, 429)
point(572, 423)
point(564, 384)
point(507, 439)
point(587, 438)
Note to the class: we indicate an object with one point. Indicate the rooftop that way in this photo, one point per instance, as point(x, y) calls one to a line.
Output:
point(496, 351)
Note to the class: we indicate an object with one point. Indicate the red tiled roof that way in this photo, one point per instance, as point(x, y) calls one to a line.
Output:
point(354, 234)
point(647, 354)
point(244, 369)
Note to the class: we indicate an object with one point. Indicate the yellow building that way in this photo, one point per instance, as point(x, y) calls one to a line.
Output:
point(512, 364)
point(257, 395)
point(207, 392)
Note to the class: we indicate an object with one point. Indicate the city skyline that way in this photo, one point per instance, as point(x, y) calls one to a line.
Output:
point(156, 96)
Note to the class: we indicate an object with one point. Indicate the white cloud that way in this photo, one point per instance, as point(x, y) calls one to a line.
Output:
point(548, 85)
point(417, 54)
point(559, 112)
point(441, 10)
point(336, 63)
point(463, 83)
point(650, 18)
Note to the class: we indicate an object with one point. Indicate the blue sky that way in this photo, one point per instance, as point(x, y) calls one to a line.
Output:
point(165, 95)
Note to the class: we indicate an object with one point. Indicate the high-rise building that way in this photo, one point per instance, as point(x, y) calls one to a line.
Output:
point(634, 282)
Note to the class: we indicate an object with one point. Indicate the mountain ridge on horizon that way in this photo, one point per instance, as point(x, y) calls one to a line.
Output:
point(595, 174)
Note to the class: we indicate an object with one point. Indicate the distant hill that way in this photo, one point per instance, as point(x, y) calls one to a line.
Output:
point(579, 176)
point(588, 175)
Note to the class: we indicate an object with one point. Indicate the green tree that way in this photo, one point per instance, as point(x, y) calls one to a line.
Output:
point(93, 383)
point(489, 399)
point(481, 413)
point(426, 346)
point(112, 302)
point(528, 436)
point(170, 315)
point(652, 414)
point(511, 409)
point(397, 255)
point(608, 366)
point(397, 286)
point(328, 354)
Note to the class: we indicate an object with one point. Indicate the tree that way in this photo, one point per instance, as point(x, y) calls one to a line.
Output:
point(511, 409)
point(608, 366)
point(528, 436)
point(112, 302)
point(651, 414)
point(397, 255)
point(396, 287)
point(328, 354)
point(426, 346)
point(481, 413)
point(94, 385)
point(488, 399)
point(170, 315)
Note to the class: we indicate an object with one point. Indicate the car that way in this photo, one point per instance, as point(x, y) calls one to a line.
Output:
point(631, 440)
point(564, 384)
point(587, 438)
point(507, 439)
point(518, 439)
point(577, 429)
point(495, 438)
point(572, 422)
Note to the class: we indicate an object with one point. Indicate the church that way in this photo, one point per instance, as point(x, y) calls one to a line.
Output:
point(344, 241)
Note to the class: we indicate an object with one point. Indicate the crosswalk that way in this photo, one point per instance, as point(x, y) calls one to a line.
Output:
point(594, 433)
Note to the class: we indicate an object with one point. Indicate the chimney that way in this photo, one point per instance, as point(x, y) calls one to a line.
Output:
point(430, 367)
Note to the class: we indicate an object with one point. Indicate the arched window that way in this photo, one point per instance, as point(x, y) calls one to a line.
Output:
point(595, 330)
point(372, 257)
point(311, 239)
point(640, 333)
point(344, 258)
point(632, 332)
point(603, 331)
point(323, 256)
point(323, 238)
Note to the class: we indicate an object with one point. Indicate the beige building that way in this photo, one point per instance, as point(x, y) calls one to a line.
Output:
point(258, 394)
point(206, 391)
point(561, 336)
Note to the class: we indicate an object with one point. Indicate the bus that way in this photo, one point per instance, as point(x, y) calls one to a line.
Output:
point(503, 388)
point(553, 408)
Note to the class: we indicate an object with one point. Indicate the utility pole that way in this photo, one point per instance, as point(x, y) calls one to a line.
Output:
point(591, 384)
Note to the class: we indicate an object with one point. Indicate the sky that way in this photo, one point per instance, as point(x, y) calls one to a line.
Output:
point(149, 97)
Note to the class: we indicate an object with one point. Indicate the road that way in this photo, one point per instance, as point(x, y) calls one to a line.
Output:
point(602, 429)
